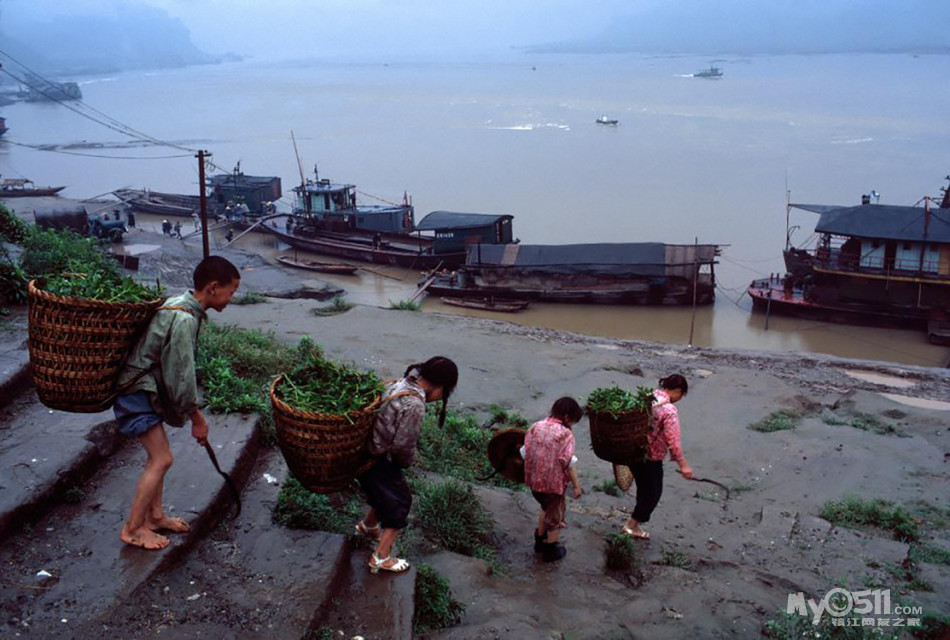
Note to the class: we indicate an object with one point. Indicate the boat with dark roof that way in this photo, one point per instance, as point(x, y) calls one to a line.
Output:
point(873, 264)
point(24, 188)
point(645, 273)
point(328, 220)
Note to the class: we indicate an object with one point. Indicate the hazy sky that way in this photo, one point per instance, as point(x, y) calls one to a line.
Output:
point(303, 28)
point(390, 29)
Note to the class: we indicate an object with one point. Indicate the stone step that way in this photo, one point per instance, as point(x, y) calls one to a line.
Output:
point(14, 355)
point(250, 575)
point(90, 570)
point(45, 453)
point(369, 605)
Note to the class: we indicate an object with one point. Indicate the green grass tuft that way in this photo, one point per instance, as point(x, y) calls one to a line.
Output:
point(405, 305)
point(777, 421)
point(609, 487)
point(451, 516)
point(853, 512)
point(251, 297)
point(435, 606)
point(620, 552)
point(298, 508)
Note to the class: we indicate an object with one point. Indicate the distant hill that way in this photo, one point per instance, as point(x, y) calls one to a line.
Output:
point(772, 27)
point(134, 38)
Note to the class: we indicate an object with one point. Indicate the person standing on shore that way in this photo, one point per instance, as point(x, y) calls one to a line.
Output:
point(158, 385)
point(665, 436)
point(549, 464)
point(392, 446)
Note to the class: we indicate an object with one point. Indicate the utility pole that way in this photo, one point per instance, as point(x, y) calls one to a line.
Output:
point(204, 202)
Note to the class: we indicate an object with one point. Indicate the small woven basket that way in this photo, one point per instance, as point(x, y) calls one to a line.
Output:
point(621, 439)
point(78, 347)
point(323, 451)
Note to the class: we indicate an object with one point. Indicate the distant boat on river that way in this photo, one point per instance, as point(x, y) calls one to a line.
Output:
point(23, 188)
point(709, 72)
point(607, 121)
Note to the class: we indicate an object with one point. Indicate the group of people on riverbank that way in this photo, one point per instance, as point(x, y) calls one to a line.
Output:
point(158, 385)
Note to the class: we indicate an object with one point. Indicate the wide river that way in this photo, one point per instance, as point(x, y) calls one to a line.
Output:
point(691, 159)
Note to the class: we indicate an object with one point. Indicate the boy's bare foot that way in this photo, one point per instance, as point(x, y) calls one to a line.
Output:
point(144, 538)
point(165, 523)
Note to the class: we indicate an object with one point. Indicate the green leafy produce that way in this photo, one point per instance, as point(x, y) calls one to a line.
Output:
point(106, 287)
point(616, 401)
point(327, 387)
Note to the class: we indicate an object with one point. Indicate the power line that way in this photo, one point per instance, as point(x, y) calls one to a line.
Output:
point(92, 155)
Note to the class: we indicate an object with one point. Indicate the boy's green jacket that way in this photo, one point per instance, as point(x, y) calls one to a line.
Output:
point(166, 352)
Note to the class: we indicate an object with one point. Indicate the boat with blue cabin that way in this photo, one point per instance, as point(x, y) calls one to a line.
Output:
point(872, 264)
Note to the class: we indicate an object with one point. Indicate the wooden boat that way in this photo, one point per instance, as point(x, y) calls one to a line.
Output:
point(313, 265)
point(487, 304)
point(608, 121)
point(874, 264)
point(23, 188)
point(647, 273)
point(160, 204)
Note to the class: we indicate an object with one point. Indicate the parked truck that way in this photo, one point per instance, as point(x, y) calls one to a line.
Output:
point(77, 219)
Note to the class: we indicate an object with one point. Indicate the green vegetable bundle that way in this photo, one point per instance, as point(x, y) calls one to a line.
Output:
point(615, 401)
point(107, 287)
point(330, 388)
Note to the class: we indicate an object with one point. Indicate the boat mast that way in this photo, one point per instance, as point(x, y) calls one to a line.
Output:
point(788, 195)
point(303, 182)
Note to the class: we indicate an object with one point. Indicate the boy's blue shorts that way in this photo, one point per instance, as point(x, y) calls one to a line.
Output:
point(134, 414)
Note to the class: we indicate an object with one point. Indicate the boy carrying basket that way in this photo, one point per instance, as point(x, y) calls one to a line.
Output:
point(158, 385)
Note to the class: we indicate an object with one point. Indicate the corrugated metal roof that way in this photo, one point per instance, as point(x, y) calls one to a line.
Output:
point(227, 180)
point(886, 222)
point(439, 220)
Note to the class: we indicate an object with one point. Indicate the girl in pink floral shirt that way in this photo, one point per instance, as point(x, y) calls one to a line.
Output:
point(549, 464)
point(665, 436)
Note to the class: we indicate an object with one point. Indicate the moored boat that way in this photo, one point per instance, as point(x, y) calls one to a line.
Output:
point(608, 121)
point(487, 304)
point(647, 273)
point(873, 264)
point(24, 188)
point(314, 265)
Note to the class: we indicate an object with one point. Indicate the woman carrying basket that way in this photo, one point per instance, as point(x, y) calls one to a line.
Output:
point(392, 445)
point(665, 436)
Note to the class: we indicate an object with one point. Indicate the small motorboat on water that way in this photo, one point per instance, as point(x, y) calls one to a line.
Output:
point(487, 304)
point(313, 265)
point(608, 121)
point(23, 188)
point(710, 72)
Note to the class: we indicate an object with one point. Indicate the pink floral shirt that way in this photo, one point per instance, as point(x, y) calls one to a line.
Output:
point(665, 435)
point(548, 446)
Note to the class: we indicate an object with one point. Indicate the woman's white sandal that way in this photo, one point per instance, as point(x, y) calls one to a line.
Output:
point(372, 532)
point(375, 564)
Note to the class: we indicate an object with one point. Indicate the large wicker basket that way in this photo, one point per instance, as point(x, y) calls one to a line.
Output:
point(322, 451)
point(620, 439)
point(78, 347)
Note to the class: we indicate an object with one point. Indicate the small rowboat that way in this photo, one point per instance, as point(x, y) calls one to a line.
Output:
point(487, 304)
point(313, 265)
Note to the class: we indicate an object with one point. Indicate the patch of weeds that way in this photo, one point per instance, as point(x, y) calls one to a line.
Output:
point(791, 626)
point(405, 305)
point(904, 573)
point(934, 517)
point(457, 449)
point(73, 494)
point(777, 421)
point(251, 297)
point(866, 422)
point(338, 305)
point(931, 554)
point(621, 552)
point(609, 487)
point(853, 512)
point(740, 487)
point(298, 508)
point(502, 416)
point(452, 517)
point(435, 606)
point(705, 495)
point(676, 559)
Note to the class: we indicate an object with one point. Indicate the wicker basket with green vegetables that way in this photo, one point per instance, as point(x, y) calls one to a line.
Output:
point(323, 413)
point(620, 423)
point(81, 328)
